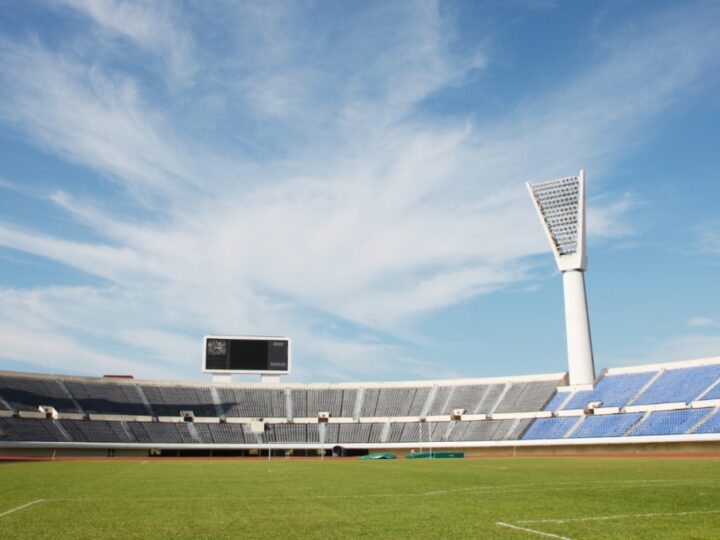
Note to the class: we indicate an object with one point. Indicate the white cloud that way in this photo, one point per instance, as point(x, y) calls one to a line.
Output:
point(150, 25)
point(97, 119)
point(368, 214)
point(709, 242)
point(60, 353)
point(703, 322)
point(671, 349)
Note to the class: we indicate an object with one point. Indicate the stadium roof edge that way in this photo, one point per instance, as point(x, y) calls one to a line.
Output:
point(376, 384)
point(664, 365)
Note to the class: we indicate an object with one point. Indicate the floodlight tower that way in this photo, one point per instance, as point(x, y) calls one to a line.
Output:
point(561, 207)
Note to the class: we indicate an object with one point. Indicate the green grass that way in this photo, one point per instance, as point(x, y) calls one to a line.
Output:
point(354, 499)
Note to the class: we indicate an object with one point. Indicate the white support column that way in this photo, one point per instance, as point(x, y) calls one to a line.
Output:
point(577, 325)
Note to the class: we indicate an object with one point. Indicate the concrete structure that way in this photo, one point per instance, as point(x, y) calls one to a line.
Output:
point(561, 207)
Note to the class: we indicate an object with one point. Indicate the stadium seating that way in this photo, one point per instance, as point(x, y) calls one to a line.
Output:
point(27, 393)
point(607, 425)
point(97, 431)
point(30, 430)
point(488, 430)
point(713, 393)
point(711, 425)
point(557, 400)
point(161, 432)
point(680, 385)
point(108, 397)
point(170, 400)
point(611, 390)
point(252, 402)
point(526, 396)
point(670, 422)
point(550, 428)
point(336, 401)
point(225, 433)
point(126, 412)
point(286, 433)
point(349, 433)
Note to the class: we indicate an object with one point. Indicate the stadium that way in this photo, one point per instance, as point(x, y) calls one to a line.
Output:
point(334, 270)
point(674, 407)
point(663, 410)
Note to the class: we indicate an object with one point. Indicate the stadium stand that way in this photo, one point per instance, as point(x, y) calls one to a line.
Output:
point(475, 399)
point(395, 401)
point(527, 396)
point(300, 403)
point(607, 425)
point(170, 400)
point(680, 385)
point(225, 433)
point(713, 392)
point(631, 404)
point(611, 390)
point(670, 422)
point(353, 433)
point(327, 400)
point(557, 400)
point(711, 425)
point(252, 402)
point(487, 430)
point(161, 432)
point(108, 397)
point(30, 430)
point(550, 428)
point(97, 431)
point(27, 393)
point(369, 402)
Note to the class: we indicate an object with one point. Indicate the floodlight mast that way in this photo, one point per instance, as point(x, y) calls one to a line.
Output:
point(561, 207)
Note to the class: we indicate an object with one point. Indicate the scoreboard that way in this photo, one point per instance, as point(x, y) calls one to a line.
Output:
point(246, 355)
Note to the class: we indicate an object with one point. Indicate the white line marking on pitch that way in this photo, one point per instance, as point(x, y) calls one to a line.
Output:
point(508, 489)
point(532, 531)
point(21, 507)
point(620, 516)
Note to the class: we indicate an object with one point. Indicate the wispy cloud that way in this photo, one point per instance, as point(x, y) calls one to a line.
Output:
point(368, 213)
point(702, 322)
point(98, 119)
point(709, 241)
point(154, 27)
point(671, 349)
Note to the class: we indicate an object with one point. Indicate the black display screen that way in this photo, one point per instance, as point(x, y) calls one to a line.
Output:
point(247, 354)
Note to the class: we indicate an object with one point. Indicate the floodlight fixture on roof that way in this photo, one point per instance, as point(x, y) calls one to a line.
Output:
point(561, 206)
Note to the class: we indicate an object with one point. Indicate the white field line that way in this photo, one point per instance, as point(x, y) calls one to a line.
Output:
point(506, 489)
point(21, 507)
point(532, 531)
point(620, 516)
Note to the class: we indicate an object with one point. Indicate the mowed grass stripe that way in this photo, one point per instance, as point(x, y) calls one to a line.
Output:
point(348, 499)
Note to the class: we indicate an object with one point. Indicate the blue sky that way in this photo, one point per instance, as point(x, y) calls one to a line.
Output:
point(351, 174)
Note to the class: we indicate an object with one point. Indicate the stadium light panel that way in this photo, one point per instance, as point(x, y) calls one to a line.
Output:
point(561, 207)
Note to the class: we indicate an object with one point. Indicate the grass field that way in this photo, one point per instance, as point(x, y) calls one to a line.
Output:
point(472, 498)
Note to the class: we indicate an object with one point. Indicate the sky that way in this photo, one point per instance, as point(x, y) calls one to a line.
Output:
point(352, 175)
